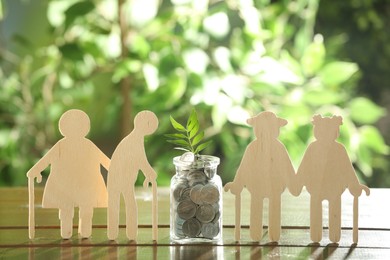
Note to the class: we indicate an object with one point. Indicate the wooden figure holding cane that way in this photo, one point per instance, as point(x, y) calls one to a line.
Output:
point(266, 171)
point(327, 171)
point(75, 179)
point(128, 158)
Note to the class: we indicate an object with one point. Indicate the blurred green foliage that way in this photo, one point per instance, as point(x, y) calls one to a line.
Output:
point(229, 59)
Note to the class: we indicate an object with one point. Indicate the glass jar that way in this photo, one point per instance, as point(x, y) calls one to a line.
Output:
point(196, 200)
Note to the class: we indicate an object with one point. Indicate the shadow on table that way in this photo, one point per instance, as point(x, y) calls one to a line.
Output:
point(196, 252)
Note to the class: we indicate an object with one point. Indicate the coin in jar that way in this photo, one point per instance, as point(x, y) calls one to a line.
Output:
point(186, 209)
point(178, 226)
point(205, 213)
point(210, 194)
point(178, 190)
point(192, 227)
point(217, 216)
point(210, 230)
point(196, 177)
point(195, 194)
point(187, 157)
point(185, 194)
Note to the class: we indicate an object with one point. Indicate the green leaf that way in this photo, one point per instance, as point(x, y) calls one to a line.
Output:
point(313, 57)
point(364, 161)
point(202, 146)
point(77, 10)
point(364, 111)
point(71, 51)
point(182, 149)
point(337, 72)
point(197, 138)
point(180, 142)
point(1, 11)
point(179, 136)
point(372, 138)
point(177, 125)
point(192, 120)
point(322, 97)
point(194, 131)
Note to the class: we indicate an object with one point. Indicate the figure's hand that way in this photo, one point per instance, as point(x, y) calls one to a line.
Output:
point(366, 189)
point(34, 174)
point(151, 178)
point(357, 190)
point(233, 187)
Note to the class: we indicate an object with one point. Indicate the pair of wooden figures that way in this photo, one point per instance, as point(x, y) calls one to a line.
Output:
point(266, 171)
point(75, 179)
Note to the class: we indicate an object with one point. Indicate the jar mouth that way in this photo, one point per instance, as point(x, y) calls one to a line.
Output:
point(202, 161)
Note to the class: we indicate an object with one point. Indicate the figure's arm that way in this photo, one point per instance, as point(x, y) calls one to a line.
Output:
point(35, 171)
point(148, 171)
point(354, 186)
point(289, 174)
point(237, 185)
point(103, 159)
point(303, 171)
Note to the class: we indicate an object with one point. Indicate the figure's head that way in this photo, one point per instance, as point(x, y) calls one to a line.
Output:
point(74, 123)
point(266, 122)
point(327, 128)
point(146, 121)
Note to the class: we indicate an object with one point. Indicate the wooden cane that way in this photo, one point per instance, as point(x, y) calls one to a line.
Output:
point(237, 228)
point(31, 212)
point(154, 212)
point(355, 218)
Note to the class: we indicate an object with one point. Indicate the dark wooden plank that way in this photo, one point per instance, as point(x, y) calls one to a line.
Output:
point(194, 252)
point(295, 210)
point(289, 237)
point(374, 239)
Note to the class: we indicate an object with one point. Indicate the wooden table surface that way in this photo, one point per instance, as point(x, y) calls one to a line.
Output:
point(295, 243)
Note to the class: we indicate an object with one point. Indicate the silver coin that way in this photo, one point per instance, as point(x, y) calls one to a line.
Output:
point(186, 209)
point(205, 213)
point(195, 194)
point(178, 227)
point(192, 227)
point(210, 193)
point(187, 157)
point(196, 176)
point(216, 218)
point(185, 194)
point(178, 190)
point(210, 230)
point(179, 222)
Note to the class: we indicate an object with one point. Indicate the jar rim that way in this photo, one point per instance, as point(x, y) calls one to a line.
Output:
point(204, 160)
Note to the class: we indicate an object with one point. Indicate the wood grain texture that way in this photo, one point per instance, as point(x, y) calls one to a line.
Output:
point(295, 242)
point(75, 179)
point(127, 160)
point(265, 171)
point(326, 171)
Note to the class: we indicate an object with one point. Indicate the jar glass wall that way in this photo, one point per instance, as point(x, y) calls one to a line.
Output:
point(196, 201)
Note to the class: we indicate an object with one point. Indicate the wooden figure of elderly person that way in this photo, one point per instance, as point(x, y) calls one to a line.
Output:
point(75, 179)
point(327, 171)
point(128, 158)
point(266, 171)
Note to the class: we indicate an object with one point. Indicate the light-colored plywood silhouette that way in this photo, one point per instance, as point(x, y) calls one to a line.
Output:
point(327, 171)
point(266, 171)
point(75, 179)
point(128, 158)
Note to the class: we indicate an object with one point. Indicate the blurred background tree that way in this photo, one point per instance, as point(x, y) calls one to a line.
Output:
point(228, 59)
